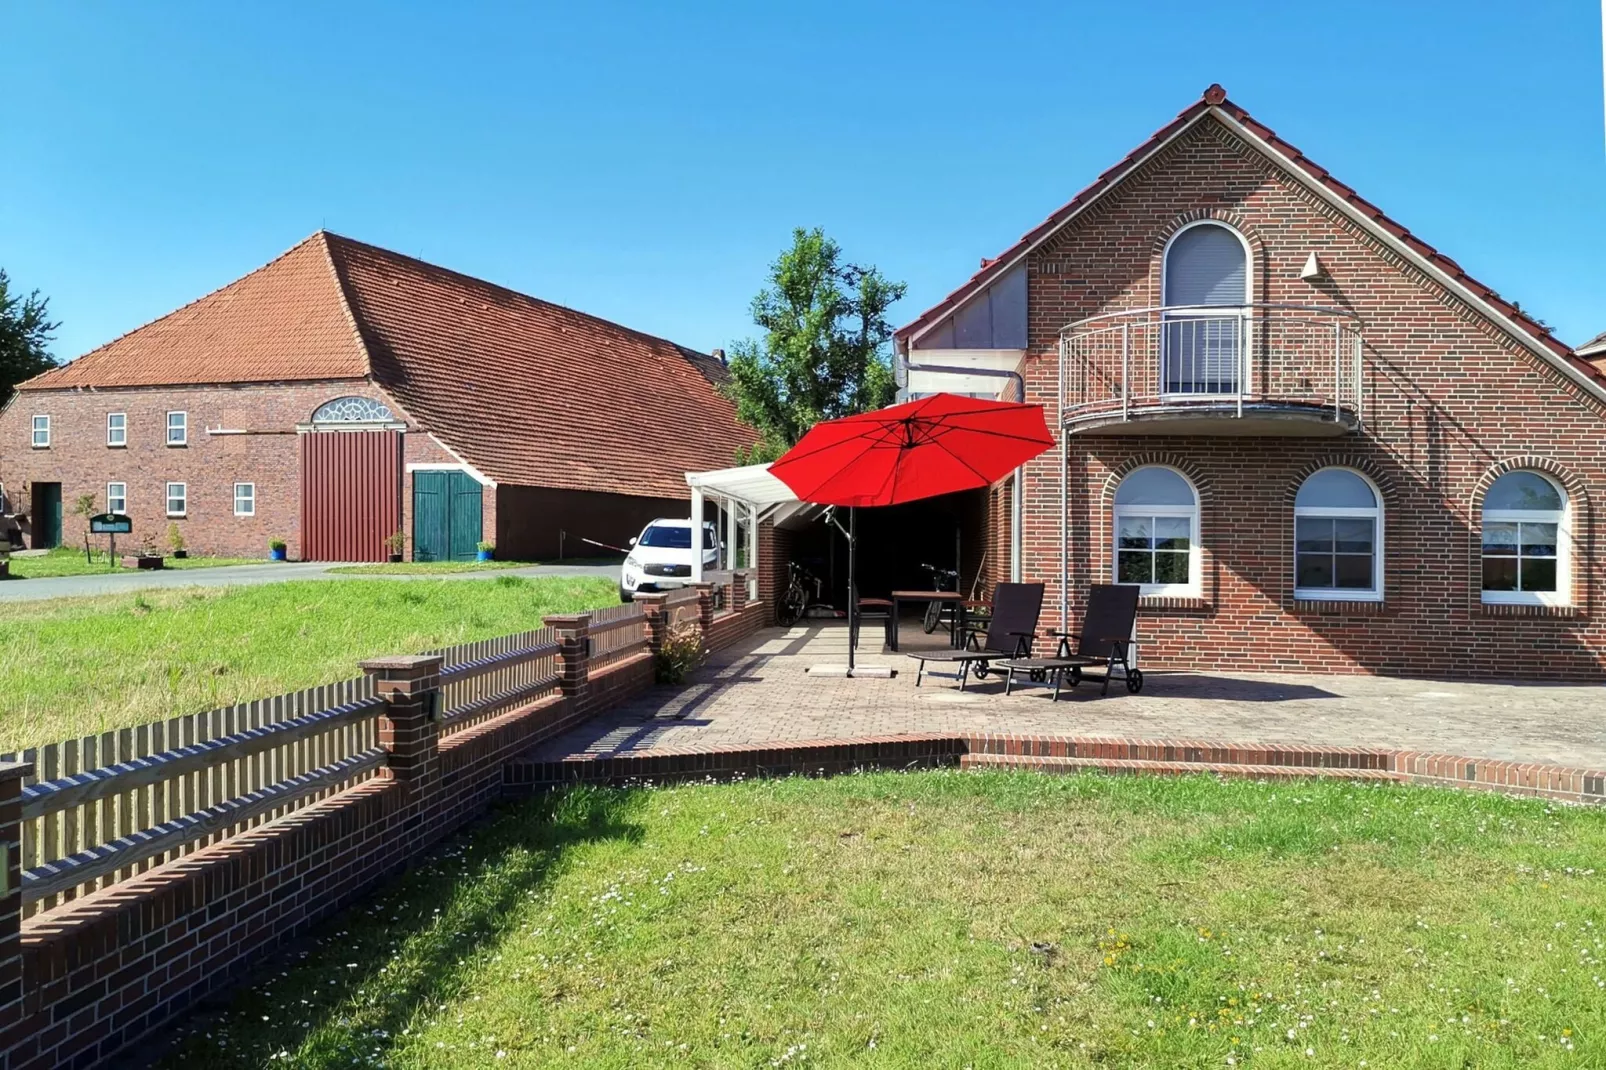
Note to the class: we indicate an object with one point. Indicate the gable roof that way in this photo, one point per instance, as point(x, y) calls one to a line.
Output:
point(284, 321)
point(525, 391)
point(534, 393)
point(1595, 347)
point(1215, 102)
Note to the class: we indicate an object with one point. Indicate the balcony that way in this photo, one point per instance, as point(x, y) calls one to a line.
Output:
point(1250, 370)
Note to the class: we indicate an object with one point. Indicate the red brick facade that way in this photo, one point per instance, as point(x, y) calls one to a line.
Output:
point(1453, 398)
point(242, 433)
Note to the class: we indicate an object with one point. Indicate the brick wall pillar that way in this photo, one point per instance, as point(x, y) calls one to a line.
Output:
point(705, 605)
point(738, 595)
point(409, 727)
point(657, 614)
point(11, 1011)
point(574, 653)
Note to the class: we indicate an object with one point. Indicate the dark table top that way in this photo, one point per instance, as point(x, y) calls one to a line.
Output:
point(930, 596)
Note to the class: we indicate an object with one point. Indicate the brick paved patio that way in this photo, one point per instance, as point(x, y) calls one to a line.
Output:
point(759, 692)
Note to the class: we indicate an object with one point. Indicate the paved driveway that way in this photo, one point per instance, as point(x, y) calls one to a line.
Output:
point(248, 575)
point(759, 691)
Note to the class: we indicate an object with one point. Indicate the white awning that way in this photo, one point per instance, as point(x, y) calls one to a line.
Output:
point(750, 483)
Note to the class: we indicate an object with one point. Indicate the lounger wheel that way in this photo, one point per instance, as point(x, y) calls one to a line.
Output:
point(1076, 676)
point(980, 671)
point(1134, 680)
point(1039, 676)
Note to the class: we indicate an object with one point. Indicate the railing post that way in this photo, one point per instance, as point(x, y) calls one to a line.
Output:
point(1338, 371)
point(1126, 370)
point(11, 775)
point(574, 653)
point(409, 727)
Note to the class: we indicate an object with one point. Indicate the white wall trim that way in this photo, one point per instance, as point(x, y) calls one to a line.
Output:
point(484, 479)
point(448, 467)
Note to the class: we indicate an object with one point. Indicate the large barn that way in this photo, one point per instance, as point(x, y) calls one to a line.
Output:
point(343, 393)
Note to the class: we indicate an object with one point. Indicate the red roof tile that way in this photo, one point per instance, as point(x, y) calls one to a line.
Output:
point(534, 393)
point(525, 391)
point(1216, 97)
point(284, 321)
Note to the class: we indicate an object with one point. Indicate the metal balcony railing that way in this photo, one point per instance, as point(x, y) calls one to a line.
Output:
point(1223, 358)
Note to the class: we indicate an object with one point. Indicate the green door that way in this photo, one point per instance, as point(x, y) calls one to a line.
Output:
point(446, 516)
point(46, 515)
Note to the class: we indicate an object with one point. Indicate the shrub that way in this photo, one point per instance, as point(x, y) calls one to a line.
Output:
point(681, 652)
point(276, 544)
point(175, 537)
point(396, 541)
point(485, 546)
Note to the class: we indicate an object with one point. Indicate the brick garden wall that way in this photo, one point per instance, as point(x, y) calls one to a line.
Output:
point(81, 983)
point(1451, 403)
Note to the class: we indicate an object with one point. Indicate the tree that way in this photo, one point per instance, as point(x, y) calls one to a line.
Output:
point(25, 330)
point(823, 354)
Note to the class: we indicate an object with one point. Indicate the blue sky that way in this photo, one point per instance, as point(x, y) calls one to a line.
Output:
point(645, 162)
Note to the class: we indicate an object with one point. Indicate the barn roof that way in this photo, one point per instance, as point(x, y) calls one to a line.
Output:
point(526, 391)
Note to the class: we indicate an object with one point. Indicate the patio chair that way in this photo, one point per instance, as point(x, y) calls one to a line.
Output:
point(1105, 640)
point(1009, 634)
point(872, 609)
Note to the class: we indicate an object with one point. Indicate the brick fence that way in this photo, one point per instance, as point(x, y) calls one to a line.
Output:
point(83, 981)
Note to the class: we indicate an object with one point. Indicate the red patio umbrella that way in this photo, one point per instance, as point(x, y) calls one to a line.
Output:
point(920, 449)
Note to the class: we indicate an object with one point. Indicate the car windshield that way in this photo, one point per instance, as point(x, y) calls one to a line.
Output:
point(667, 538)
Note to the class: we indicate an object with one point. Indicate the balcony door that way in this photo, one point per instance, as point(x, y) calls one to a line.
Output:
point(1202, 351)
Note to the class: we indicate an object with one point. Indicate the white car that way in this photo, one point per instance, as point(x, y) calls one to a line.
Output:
point(660, 557)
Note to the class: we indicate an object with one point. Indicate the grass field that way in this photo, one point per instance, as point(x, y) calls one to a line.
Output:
point(425, 568)
point(66, 561)
point(75, 666)
point(960, 919)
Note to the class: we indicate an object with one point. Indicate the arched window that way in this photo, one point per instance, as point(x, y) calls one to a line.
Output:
point(1157, 532)
point(1525, 541)
point(352, 410)
point(1338, 538)
point(1202, 352)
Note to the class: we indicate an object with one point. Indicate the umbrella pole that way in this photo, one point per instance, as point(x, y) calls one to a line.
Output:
point(853, 585)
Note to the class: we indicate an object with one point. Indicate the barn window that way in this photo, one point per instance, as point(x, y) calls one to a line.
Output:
point(178, 428)
point(117, 429)
point(178, 499)
point(117, 497)
point(352, 410)
point(245, 499)
point(41, 432)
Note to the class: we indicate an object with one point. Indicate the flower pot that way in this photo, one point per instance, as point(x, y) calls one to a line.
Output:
point(394, 559)
point(278, 553)
point(179, 555)
point(484, 555)
point(143, 561)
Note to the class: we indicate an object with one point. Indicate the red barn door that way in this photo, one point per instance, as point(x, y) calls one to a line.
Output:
point(350, 494)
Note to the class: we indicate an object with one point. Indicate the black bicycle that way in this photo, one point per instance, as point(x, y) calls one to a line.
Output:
point(942, 579)
point(795, 600)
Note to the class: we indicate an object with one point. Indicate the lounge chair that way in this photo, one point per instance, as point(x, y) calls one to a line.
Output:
point(1104, 641)
point(1009, 634)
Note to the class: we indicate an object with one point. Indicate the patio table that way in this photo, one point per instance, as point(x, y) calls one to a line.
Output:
point(957, 639)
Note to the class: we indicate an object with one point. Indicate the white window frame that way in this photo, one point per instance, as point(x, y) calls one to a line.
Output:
point(1190, 589)
point(1562, 518)
point(1170, 315)
point(34, 427)
point(124, 496)
point(183, 428)
point(1322, 512)
point(183, 496)
point(122, 442)
point(251, 500)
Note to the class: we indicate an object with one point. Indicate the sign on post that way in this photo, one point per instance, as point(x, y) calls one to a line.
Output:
point(110, 524)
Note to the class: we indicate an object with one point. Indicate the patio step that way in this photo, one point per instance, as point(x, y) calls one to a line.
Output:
point(1051, 764)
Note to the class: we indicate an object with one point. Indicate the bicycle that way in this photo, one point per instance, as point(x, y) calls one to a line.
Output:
point(795, 599)
point(940, 578)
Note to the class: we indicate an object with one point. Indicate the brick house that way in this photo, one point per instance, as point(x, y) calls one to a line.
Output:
point(1313, 439)
point(343, 392)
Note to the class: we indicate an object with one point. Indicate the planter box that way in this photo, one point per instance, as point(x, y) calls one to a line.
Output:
point(179, 555)
point(141, 561)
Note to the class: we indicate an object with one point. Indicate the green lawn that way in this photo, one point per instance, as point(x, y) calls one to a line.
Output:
point(424, 568)
point(76, 666)
point(66, 561)
point(960, 919)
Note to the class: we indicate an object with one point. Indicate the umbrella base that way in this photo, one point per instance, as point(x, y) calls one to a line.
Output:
point(861, 672)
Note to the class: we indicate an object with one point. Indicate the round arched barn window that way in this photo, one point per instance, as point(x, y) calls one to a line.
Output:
point(352, 410)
